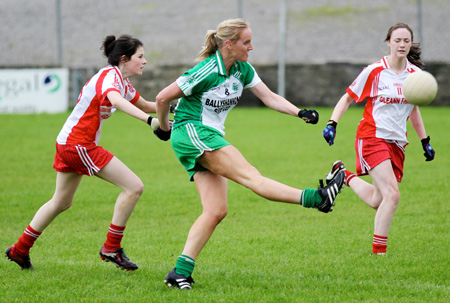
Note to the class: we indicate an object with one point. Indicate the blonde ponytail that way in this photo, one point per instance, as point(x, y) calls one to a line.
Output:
point(210, 46)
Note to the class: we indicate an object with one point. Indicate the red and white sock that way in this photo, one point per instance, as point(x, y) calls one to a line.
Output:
point(348, 176)
point(26, 241)
point(379, 244)
point(114, 237)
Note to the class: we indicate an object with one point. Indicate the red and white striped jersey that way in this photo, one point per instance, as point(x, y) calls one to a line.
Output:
point(84, 124)
point(386, 110)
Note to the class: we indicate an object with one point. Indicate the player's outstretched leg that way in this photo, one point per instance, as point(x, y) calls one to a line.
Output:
point(118, 257)
point(173, 279)
point(23, 261)
point(330, 191)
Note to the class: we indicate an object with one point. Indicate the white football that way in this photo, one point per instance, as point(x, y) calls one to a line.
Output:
point(420, 88)
point(155, 123)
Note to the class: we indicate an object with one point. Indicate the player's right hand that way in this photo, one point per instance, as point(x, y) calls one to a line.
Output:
point(162, 134)
point(309, 115)
point(329, 133)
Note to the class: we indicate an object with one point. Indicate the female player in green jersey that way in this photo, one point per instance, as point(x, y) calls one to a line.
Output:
point(207, 93)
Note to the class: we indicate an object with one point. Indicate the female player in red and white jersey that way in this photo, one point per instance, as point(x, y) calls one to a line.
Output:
point(78, 154)
point(381, 135)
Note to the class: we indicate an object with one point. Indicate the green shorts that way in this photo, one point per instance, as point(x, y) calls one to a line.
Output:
point(189, 141)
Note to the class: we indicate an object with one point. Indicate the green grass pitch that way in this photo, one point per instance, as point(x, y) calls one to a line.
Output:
point(262, 252)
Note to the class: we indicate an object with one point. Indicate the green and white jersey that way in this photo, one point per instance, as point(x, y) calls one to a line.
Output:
point(210, 94)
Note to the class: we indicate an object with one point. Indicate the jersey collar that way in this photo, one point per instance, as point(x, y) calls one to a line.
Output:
point(386, 64)
point(220, 64)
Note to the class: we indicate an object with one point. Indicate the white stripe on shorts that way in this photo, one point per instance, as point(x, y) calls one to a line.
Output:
point(401, 147)
point(195, 139)
point(364, 166)
point(87, 161)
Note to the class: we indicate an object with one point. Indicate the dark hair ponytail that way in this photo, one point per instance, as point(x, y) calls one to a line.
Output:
point(414, 56)
point(108, 45)
point(114, 49)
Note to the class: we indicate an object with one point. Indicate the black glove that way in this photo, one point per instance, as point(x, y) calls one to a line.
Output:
point(162, 134)
point(429, 151)
point(329, 133)
point(309, 115)
point(172, 108)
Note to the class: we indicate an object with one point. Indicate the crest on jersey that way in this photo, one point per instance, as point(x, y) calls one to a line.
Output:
point(117, 82)
point(131, 88)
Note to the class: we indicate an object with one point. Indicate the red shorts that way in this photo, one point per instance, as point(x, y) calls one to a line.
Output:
point(83, 160)
point(372, 151)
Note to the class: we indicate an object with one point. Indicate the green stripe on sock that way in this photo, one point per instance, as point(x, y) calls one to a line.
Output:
point(310, 197)
point(185, 266)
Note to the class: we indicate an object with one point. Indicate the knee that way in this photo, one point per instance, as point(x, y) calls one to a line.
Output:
point(394, 194)
point(67, 206)
point(221, 215)
point(130, 195)
point(139, 189)
point(395, 198)
point(217, 216)
point(61, 205)
point(136, 190)
point(392, 197)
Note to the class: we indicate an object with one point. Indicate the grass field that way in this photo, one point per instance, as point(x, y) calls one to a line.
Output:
point(261, 252)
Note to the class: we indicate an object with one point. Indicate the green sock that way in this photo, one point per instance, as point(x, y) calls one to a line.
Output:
point(310, 197)
point(185, 266)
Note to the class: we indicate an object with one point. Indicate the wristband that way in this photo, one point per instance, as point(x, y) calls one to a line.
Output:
point(332, 123)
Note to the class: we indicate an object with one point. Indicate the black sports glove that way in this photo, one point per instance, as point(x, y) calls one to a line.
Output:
point(172, 108)
point(329, 133)
point(162, 134)
point(309, 115)
point(429, 151)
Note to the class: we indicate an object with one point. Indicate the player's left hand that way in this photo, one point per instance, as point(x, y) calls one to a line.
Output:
point(153, 122)
point(329, 132)
point(429, 151)
point(309, 115)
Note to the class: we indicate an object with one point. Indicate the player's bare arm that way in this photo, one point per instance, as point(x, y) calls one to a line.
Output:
point(274, 101)
point(123, 105)
point(146, 106)
point(163, 99)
